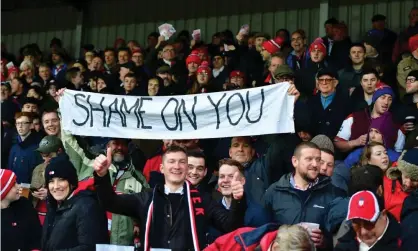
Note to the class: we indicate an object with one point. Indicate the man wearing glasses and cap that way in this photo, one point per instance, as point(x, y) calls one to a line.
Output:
point(329, 105)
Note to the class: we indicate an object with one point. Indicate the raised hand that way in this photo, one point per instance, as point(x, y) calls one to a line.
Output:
point(237, 186)
point(102, 163)
point(59, 94)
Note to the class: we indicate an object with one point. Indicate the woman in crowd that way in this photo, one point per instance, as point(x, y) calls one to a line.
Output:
point(376, 154)
point(203, 77)
point(383, 131)
point(20, 226)
point(74, 220)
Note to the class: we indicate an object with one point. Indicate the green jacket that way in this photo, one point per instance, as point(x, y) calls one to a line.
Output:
point(132, 181)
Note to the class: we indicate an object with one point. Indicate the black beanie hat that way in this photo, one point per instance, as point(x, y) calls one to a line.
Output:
point(61, 167)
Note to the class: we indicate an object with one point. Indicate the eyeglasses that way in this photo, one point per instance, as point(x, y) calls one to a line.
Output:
point(168, 50)
point(284, 79)
point(23, 123)
point(325, 80)
point(411, 79)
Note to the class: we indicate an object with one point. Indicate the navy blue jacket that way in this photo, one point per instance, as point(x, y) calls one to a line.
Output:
point(260, 173)
point(328, 121)
point(23, 158)
point(283, 201)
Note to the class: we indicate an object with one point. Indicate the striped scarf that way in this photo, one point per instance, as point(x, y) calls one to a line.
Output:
point(195, 212)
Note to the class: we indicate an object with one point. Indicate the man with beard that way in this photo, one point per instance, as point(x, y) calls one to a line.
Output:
point(59, 67)
point(303, 195)
point(262, 171)
point(354, 129)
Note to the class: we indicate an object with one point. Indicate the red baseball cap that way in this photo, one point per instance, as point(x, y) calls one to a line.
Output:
point(363, 205)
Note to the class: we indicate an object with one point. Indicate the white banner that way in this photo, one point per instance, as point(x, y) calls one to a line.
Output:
point(254, 111)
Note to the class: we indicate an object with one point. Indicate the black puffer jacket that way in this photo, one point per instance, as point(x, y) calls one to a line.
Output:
point(77, 225)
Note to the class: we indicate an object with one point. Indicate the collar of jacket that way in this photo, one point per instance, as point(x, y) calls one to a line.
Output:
point(32, 139)
point(284, 183)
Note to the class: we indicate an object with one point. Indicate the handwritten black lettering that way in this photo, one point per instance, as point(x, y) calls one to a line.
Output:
point(82, 107)
point(101, 109)
point(140, 112)
point(124, 109)
point(249, 108)
point(216, 106)
point(115, 104)
point(174, 128)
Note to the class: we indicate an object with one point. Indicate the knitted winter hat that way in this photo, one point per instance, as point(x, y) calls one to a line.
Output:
point(273, 45)
point(382, 89)
point(318, 45)
point(323, 142)
point(408, 163)
point(7, 181)
point(61, 167)
point(204, 68)
point(384, 124)
point(413, 43)
point(193, 58)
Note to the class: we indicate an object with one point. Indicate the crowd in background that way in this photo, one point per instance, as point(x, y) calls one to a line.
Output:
point(346, 180)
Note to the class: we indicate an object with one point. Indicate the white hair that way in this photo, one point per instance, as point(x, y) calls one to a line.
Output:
point(28, 64)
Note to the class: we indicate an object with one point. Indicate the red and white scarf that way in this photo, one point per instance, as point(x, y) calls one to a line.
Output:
point(191, 210)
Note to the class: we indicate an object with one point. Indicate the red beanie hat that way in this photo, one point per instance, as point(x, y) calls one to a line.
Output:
point(204, 67)
point(237, 74)
point(318, 45)
point(193, 58)
point(7, 181)
point(413, 43)
point(273, 45)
